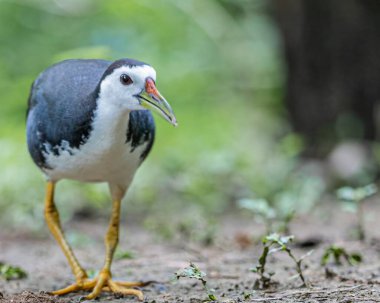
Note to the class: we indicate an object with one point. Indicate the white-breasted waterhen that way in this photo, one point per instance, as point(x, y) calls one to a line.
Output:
point(89, 120)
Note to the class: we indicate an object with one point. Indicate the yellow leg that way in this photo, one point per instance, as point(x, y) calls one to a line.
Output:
point(53, 222)
point(104, 282)
point(105, 277)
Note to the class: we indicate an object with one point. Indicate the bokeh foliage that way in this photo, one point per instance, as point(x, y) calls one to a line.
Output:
point(218, 65)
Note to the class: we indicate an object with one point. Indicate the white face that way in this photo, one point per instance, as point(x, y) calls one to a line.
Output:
point(123, 84)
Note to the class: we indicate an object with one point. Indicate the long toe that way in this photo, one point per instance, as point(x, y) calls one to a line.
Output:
point(125, 291)
point(133, 284)
point(104, 282)
point(80, 285)
point(71, 288)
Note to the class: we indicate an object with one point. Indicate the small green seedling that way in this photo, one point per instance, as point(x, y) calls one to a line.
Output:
point(338, 253)
point(265, 277)
point(92, 273)
point(353, 199)
point(124, 254)
point(9, 272)
point(193, 272)
point(200, 229)
point(274, 243)
point(268, 215)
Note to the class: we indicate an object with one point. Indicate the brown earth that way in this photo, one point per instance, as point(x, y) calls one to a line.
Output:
point(227, 262)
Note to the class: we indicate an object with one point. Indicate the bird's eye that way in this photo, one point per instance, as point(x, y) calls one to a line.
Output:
point(125, 79)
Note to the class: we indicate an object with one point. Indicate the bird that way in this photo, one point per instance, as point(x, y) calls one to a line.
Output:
point(90, 120)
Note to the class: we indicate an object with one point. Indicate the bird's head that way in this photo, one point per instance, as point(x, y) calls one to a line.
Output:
point(131, 85)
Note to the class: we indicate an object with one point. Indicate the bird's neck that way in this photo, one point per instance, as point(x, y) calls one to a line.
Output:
point(110, 122)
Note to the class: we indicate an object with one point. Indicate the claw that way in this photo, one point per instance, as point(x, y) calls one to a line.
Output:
point(125, 291)
point(104, 282)
point(133, 284)
point(71, 288)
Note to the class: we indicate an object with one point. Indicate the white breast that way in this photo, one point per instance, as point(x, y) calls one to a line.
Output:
point(104, 157)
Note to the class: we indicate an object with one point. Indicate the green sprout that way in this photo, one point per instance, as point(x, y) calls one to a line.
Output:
point(353, 199)
point(263, 212)
point(338, 253)
point(92, 273)
point(265, 277)
point(274, 243)
point(193, 272)
point(199, 228)
point(124, 254)
point(9, 272)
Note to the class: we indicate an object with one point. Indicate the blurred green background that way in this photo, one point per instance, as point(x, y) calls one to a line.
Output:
point(219, 64)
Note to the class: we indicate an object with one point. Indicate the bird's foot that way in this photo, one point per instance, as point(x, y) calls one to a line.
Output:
point(104, 282)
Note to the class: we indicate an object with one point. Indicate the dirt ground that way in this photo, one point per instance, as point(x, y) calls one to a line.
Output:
point(227, 262)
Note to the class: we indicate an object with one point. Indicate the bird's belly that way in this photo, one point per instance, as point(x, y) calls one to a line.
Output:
point(95, 163)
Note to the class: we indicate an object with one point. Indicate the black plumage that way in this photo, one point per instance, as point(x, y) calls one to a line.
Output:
point(62, 103)
point(141, 130)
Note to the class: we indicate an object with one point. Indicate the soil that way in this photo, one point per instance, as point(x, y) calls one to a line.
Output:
point(227, 262)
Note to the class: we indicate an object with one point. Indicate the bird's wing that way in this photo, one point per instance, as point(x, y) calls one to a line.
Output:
point(60, 106)
point(141, 130)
